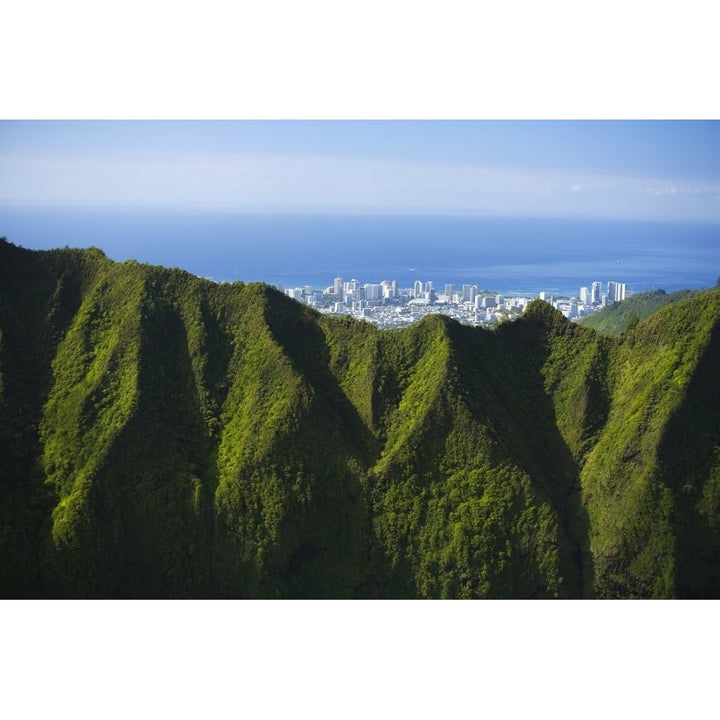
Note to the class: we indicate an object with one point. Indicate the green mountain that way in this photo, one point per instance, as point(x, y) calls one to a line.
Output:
point(163, 436)
point(615, 318)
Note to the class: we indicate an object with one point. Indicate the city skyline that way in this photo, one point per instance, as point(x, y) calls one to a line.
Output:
point(388, 305)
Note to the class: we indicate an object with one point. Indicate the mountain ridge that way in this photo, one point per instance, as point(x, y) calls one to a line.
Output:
point(164, 436)
point(617, 316)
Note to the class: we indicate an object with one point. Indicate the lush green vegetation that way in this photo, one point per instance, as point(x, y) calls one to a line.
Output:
point(614, 319)
point(163, 436)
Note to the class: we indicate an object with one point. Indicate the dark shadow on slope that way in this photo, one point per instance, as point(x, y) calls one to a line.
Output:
point(219, 351)
point(689, 455)
point(323, 549)
point(38, 301)
point(297, 331)
point(149, 508)
point(514, 361)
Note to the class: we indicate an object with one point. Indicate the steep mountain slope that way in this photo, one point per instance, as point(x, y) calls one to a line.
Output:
point(163, 436)
point(649, 479)
point(614, 319)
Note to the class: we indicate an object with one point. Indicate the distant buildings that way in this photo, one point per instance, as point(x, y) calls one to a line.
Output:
point(616, 291)
point(386, 305)
point(469, 293)
point(389, 289)
point(373, 292)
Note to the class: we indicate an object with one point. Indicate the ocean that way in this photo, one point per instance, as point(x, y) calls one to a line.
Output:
point(509, 255)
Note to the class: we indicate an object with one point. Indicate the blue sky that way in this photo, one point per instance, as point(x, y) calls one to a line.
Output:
point(654, 170)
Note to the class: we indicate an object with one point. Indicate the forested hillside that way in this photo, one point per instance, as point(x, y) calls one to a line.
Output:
point(162, 436)
point(615, 318)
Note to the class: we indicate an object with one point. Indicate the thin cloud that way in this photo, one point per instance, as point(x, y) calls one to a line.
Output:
point(247, 182)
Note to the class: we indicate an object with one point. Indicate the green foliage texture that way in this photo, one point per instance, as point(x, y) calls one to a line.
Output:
point(162, 436)
point(617, 317)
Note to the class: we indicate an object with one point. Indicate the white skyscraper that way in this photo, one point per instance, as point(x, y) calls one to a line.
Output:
point(469, 293)
point(596, 293)
point(616, 291)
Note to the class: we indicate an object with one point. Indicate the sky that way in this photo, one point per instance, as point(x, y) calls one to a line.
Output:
point(649, 170)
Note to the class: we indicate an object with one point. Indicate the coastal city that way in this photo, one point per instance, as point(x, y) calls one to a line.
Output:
point(389, 306)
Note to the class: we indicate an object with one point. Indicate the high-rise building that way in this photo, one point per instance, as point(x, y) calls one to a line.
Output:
point(469, 293)
point(418, 289)
point(338, 286)
point(351, 292)
point(373, 292)
point(585, 297)
point(449, 290)
point(596, 293)
point(616, 291)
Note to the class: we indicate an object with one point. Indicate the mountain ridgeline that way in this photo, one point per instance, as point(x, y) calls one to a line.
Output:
point(618, 316)
point(162, 436)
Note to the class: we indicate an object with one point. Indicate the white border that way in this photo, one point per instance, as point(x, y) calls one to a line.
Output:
point(389, 59)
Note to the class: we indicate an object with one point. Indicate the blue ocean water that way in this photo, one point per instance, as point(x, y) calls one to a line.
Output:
point(510, 255)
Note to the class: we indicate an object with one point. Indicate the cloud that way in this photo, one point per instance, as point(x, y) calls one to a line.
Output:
point(663, 190)
point(697, 191)
point(248, 182)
